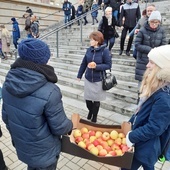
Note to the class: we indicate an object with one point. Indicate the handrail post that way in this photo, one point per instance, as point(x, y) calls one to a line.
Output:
point(57, 44)
point(81, 31)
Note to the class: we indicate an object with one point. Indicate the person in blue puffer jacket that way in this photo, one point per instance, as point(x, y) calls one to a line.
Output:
point(15, 32)
point(150, 133)
point(32, 107)
point(96, 60)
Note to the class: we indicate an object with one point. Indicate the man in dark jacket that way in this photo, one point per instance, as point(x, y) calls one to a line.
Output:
point(32, 107)
point(67, 10)
point(131, 13)
point(15, 32)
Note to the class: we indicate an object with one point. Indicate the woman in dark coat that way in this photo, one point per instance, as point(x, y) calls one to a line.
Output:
point(107, 27)
point(150, 134)
point(150, 35)
point(94, 64)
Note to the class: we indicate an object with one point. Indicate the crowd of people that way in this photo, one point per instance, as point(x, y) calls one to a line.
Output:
point(45, 122)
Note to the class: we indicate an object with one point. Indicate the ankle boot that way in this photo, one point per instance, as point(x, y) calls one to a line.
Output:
point(89, 115)
point(96, 106)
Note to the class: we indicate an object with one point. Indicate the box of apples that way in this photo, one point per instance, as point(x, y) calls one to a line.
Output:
point(98, 142)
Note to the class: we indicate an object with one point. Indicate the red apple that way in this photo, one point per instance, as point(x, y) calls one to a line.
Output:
point(99, 147)
point(113, 153)
point(92, 138)
point(89, 146)
point(102, 152)
point(105, 136)
point(85, 135)
point(78, 139)
point(84, 130)
point(125, 148)
point(115, 146)
point(92, 132)
point(96, 142)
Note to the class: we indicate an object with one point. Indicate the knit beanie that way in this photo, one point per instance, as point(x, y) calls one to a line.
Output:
point(161, 57)
point(35, 50)
point(155, 15)
point(13, 19)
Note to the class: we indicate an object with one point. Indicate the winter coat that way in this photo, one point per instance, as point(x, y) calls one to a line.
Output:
point(95, 13)
point(73, 12)
point(34, 114)
point(151, 127)
point(107, 30)
point(115, 4)
point(131, 12)
point(103, 62)
point(79, 10)
point(147, 39)
point(67, 8)
point(5, 39)
point(15, 30)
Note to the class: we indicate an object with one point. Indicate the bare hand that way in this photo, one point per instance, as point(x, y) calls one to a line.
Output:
point(92, 65)
point(136, 31)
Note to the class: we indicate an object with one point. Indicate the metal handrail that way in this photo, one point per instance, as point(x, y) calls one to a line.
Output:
point(67, 24)
point(60, 27)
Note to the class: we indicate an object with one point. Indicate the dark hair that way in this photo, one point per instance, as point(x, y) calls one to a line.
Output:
point(144, 12)
point(97, 36)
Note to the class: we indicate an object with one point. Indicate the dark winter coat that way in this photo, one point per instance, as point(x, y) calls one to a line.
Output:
point(73, 12)
point(35, 29)
point(67, 8)
point(34, 114)
point(101, 57)
point(79, 10)
point(95, 13)
point(131, 12)
point(107, 30)
point(151, 127)
point(147, 39)
point(15, 30)
point(115, 4)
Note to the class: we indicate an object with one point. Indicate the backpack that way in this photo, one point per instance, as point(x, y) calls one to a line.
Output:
point(27, 23)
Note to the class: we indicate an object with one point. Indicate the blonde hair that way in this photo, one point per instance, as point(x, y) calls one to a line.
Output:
point(150, 82)
point(5, 32)
point(108, 9)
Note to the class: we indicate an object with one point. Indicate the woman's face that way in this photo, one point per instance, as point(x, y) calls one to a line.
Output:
point(150, 65)
point(154, 23)
point(93, 43)
point(108, 12)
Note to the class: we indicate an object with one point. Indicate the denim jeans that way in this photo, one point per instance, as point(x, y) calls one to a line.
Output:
point(67, 18)
point(115, 14)
point(15, 42)
point(51, 167)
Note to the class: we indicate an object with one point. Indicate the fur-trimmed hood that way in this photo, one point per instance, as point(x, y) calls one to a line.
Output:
point(164, 74)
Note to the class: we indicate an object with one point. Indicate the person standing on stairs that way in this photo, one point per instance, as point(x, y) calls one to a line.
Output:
point(107, 27)
point(15, 32)
point(5, 39)
point(79, 11)
point(130, 11)
point(67, 11)
point(94, 64)
point(95, 13)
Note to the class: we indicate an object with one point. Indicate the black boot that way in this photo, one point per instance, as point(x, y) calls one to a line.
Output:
point(96, 106)
point(89, 105)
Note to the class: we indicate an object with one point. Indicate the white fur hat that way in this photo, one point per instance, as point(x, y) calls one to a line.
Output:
point(155, 15)
point(161, 57)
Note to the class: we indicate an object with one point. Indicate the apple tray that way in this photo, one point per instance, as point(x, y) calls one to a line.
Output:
point(69, 146)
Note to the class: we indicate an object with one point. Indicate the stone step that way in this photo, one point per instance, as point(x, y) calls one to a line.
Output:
point(119, 106)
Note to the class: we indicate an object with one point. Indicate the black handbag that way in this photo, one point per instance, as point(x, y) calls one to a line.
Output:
point(109, 81)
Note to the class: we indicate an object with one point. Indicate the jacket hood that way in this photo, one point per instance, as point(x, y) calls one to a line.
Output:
point(22, 82)
point(15, 22)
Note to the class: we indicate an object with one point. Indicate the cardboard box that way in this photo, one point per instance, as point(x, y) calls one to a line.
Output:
point(69, 146)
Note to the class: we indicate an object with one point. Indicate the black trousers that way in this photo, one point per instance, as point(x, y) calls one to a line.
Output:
point(2, 162)
point(93, 107)
point(123, 37)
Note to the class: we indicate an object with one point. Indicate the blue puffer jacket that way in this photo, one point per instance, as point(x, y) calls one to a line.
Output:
point(16, 30)
point(151, 127)
point(147, 39)
point(101, 57)
point(34, 114)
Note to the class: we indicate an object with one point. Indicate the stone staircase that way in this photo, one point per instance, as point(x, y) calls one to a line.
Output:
point(121, 100)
